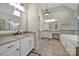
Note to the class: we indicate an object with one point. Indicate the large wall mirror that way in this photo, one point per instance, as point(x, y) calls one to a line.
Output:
point(51, 26)
point(9, 17)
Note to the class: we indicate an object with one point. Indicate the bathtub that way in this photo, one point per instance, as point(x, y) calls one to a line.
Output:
point(69, 42)
point(72, 38)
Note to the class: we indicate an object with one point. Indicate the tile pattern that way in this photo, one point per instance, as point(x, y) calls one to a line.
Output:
point(50, 48)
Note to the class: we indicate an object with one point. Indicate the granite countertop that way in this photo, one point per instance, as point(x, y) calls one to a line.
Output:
point(11, 38)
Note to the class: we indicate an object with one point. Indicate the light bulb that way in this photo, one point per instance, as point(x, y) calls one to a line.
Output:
point(46, 14)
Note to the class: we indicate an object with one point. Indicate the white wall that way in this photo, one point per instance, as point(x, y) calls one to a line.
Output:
point(33, 21)
point(32, 17)
point(24, 22)
point(40, 19)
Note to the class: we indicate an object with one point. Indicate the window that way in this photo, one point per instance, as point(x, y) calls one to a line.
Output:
point(16, 13)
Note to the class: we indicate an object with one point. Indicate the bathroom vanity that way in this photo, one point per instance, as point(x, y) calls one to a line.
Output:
point(16, 45)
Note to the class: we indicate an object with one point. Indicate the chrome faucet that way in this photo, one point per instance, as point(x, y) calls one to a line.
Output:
point(18, 32)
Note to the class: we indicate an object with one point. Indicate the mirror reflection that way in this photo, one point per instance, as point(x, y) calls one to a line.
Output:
point(10, 17)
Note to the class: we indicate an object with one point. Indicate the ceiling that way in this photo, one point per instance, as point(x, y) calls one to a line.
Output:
point(72, 6)
point(59, 11)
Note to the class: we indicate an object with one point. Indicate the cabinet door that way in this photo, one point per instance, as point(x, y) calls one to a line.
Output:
point(25, 46)
point(13, 52)
point(10, 49)
point(32, 41)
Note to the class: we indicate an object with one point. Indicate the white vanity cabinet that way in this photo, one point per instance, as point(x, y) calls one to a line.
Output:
point(10, 49)
point(27, 44)
point(12, 52)
point(46, 34)
point(21, 47)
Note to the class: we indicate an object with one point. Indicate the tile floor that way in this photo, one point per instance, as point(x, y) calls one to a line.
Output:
point(50, 48)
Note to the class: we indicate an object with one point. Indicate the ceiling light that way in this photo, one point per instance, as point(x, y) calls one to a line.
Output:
point(17, 24)
point(53, 20)
point(46, 13)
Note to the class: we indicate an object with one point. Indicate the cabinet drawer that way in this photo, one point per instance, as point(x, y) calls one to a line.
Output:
point(8, 46)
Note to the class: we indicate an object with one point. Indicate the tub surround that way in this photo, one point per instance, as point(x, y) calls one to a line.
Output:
point(69, 42)
point(71, 32)
point(71, 38)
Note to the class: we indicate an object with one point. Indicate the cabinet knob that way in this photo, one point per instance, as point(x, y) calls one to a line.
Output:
point(17, 49)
